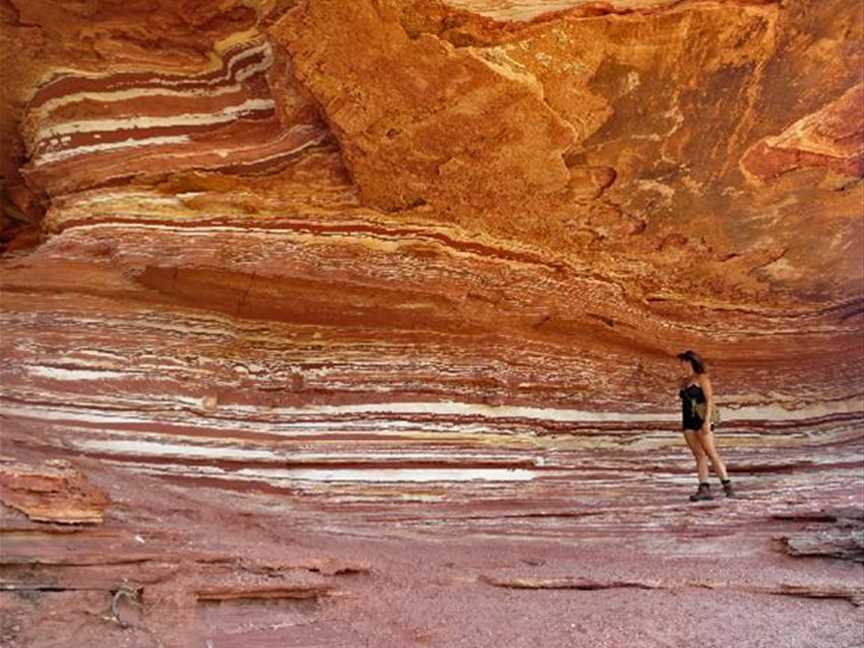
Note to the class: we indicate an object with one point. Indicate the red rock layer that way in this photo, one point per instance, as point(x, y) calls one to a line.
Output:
point(89, 131)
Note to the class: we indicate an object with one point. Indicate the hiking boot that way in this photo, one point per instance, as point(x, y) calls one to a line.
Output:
point(727, 487)
point(702, 493)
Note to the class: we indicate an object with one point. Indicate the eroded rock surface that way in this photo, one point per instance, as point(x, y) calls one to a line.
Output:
point(359, 310)
point(53, 492)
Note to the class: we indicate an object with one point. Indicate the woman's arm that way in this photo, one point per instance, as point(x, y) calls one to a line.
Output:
point(708, 390)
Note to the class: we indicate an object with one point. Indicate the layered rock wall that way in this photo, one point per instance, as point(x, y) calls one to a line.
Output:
point(289, 280)
point(421, 202)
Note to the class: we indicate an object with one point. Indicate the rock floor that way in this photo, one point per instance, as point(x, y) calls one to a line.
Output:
point(613, 555)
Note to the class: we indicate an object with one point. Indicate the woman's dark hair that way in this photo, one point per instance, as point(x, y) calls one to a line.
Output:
point(695, 361)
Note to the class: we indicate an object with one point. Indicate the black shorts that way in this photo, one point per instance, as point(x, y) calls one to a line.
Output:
point(695, 424)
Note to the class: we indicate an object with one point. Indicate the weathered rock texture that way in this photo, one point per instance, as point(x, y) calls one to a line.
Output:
point(318, 272)
point(56, 492)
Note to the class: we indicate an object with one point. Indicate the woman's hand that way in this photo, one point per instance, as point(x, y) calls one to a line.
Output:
point(708, 390)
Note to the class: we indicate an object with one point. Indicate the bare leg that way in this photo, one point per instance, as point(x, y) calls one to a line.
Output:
point(698, 454)
point(706, 439)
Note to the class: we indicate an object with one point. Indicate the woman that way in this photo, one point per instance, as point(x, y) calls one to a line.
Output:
point(695, 385)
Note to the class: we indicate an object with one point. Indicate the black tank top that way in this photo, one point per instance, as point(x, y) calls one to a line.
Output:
point(693, 391)
point(689, 393)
